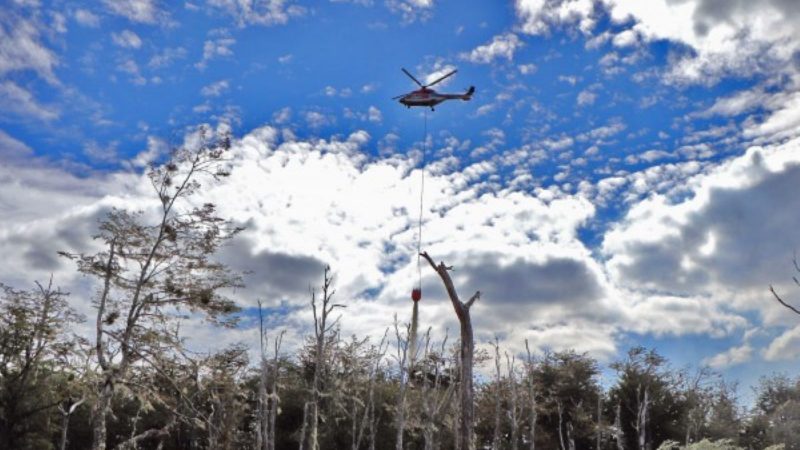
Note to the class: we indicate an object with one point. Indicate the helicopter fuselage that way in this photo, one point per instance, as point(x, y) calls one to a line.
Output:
point(430, 98)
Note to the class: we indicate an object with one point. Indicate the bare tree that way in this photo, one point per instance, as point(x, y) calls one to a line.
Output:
point(151, 271)
point(435, 396)
point(514, 406)
point(324, 329)
point(369, 419)
point(532, 417)
point(467, 411)
point(402, 356)
point(274, 398)
point(268, 399)
point(497, 395)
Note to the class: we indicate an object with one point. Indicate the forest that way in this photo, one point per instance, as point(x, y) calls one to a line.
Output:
point(134, 383)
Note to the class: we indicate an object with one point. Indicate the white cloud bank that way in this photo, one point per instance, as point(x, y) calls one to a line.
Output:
point(721, 37)
point(669, 267)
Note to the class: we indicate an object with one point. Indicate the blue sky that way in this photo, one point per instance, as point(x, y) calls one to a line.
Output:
point(622, 175)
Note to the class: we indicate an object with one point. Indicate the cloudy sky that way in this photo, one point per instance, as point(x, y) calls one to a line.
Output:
point(625, 174)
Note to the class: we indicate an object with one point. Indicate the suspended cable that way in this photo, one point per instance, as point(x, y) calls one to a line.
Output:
point(416, 294)
point(421, 199)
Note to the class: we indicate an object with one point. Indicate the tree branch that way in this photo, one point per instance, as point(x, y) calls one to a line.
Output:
point(780, 300)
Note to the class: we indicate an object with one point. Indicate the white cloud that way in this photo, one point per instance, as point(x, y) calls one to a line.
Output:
point(258, 12)
point(12, 149)
point(374, 115)
point(527, 69)
point(727, 37)
point(572, 80)
point(739, 38)
point(282, 116)
point(215, 89)
point(316, 119)
point(784, 347)
point(18, 101)
point(783, 120)
point(141, 11)
point(731, 357)
point(126, 39)
point(439, 70)
point(21, 48)
point(411, 10)
point(355, 217)
point(586, 97)
point(214, 48)
point(625, 39)
point(156, 148)
point(501, 46)
point(166, 57)
point(538, 16)
point(130, 67)
point(726, 239)
point(86, 18)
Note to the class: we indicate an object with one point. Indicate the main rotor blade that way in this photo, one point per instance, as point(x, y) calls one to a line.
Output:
point(442, 78)
point(399, 96)
point(412, 77)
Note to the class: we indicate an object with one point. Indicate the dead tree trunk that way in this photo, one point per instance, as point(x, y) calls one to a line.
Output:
point(366, 425)
point(532, 398)
point(642, 417)
point(262, 415)
point(497, 396)
point(599, 419)
point(570, 438)
point(273, 398)
point(66, 410)
point(322, 329)
point(618, 434)
point(402, 358)
point(560, 407)
point(434, 403)
point(514, 409)
point(466, 422)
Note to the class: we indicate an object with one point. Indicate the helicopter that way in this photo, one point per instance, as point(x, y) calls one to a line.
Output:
point(428, 97)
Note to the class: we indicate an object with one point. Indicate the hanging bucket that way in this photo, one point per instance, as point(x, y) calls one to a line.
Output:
point(416, 294)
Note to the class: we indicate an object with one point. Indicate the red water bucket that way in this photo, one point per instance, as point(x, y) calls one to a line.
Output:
point(416, 294)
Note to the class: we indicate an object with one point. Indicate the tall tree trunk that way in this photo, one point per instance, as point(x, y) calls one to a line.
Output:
point(532, 399)
point(618, 434)
point(274, 399)
point(466, 422)
point(560, 407)
point(99, 413)
point(303, 427)
point(514, 407)
point(322, 328)
point(642, 419)
point(66, 411)
point(599, 419)
point(402, 360)
point(497, 395)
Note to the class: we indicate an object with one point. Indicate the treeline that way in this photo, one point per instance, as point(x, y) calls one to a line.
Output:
point(135, 385)
point(223, 400)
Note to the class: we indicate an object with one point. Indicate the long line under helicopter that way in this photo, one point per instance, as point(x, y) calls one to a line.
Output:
point(424, 97)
